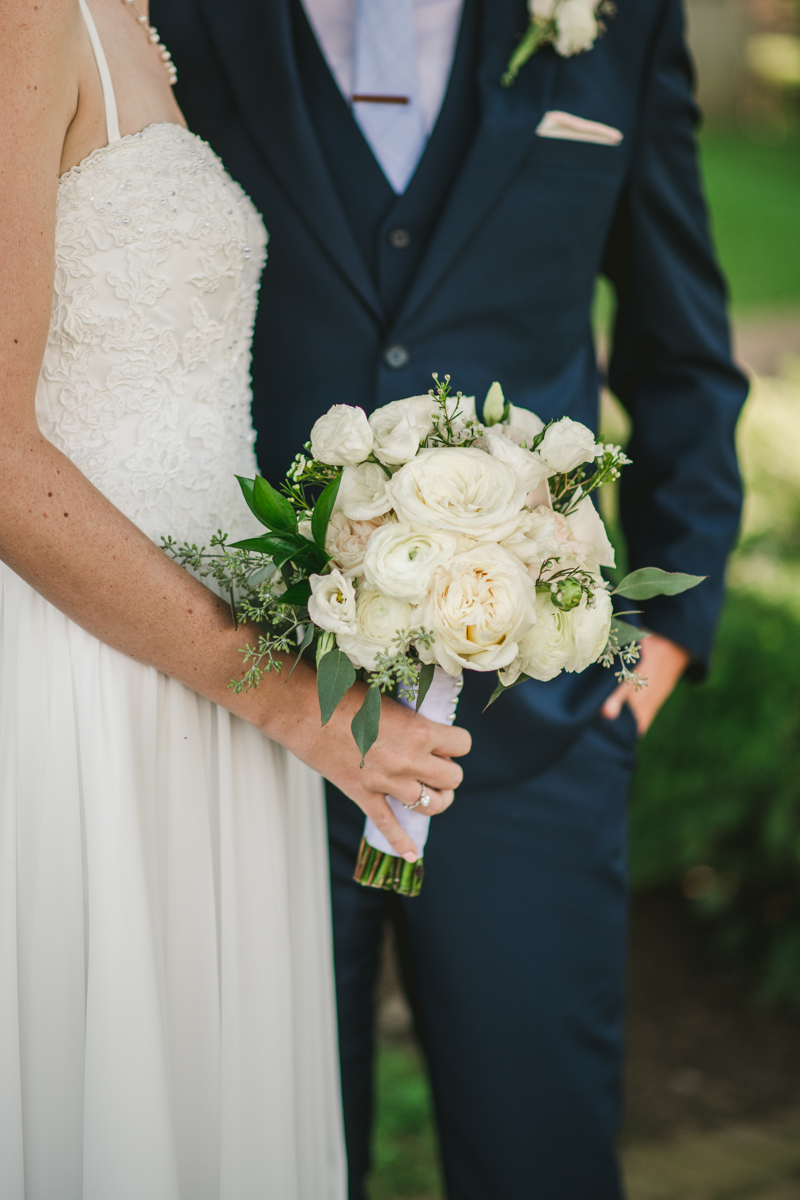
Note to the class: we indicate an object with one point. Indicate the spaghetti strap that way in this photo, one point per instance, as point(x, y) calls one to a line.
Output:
point(109, 99)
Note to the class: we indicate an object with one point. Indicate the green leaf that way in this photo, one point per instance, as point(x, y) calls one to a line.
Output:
point(503, 687)
point(425, 681)
point(298, 594)
point(335, 676)
point(626, 632)
point(273, 509)
point(652, 581)
point(366, 722)
point(247, 486)
point(308, 638)
point(267, 544)
point(323, 510)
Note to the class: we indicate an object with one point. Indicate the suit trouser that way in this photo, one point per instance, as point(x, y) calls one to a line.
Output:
point(515, 956)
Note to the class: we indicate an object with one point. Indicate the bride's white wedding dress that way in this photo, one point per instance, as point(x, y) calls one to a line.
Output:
point(167, 1025)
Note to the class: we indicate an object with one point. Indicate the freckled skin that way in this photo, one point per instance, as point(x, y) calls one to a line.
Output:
point(96, 566)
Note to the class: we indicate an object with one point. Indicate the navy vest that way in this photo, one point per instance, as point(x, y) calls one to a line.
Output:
point(392, 231)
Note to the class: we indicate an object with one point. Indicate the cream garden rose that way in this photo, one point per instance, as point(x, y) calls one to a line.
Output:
point(346, 541)
point(342, 437)
point(401, 561)
point(362, 492)
point(333, 602)
point(535, 539)
point(458, 490)
point(378, 620)
point(479, 607)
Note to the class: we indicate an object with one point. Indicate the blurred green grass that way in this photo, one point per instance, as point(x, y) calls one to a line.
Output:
point(751, 700)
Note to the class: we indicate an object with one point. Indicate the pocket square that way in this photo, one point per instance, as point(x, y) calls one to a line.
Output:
point(577, 129)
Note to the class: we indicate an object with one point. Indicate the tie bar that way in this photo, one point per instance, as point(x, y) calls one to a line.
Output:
point(360, 98)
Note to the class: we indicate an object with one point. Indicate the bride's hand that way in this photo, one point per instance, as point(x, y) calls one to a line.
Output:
point(410, 751)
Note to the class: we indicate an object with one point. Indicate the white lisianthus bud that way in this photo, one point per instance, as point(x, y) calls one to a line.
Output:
point(590, 628)
point(342, 437)
point(458, 490)
point(545, 651)
point(567, 444)
point(586, 528)
point(480, 606)
point(362, 492)
point(400, 427)
point(577, 26)
point(400, 561)
point(333, 602)
point(346, 540)
point(527, 465)
point(379, 619)
point(494, 405)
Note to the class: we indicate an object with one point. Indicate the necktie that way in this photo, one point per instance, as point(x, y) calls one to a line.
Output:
point(385, 65)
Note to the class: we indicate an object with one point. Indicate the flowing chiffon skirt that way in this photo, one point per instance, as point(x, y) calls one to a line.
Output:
point(166, 1001)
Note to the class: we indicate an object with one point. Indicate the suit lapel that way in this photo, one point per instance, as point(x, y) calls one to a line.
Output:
point(505, 134)
point(254, 40)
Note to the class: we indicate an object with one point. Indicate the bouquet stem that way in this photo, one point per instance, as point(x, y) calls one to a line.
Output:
point(376, 869)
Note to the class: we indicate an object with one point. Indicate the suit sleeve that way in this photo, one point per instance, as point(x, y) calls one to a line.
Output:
point(671, 362)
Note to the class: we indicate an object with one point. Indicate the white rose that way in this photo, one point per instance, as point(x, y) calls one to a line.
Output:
point(567, 444)
point(479, 607)
point(523, 425)
point(528, 467)
point(547, 648)
point(399, 428)
point(346, 540)
point(459, 490)
point(333, 602)
point(379, 619)
point(590, 628)
point(401, 561)
point(576, 25)
point(342, 437)
point(535, 540)
point(588, 531)
point(362, 493)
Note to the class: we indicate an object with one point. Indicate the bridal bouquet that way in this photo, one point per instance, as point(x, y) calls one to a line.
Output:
point(409, 546)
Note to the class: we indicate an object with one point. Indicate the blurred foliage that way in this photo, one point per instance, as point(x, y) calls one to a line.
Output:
point(404, 1149)
point(716, 804)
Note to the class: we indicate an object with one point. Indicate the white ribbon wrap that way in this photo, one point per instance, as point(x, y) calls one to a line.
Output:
point(440, 705)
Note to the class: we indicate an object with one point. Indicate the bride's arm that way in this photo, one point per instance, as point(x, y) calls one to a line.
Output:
point(58, 532)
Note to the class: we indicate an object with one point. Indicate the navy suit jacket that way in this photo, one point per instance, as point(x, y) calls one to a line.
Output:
point(504, 291)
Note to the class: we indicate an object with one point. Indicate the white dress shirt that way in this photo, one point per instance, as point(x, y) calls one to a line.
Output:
point(436, 25)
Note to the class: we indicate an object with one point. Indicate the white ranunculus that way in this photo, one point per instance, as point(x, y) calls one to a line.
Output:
point(586, 528)
point(523, 425)
point(590, 628)
point(333, 602)
point(459, 490)
point(528, 467)
point(362, 492)
point(346, 540)
point(342, 437)
point(567, 444)
point(547, 648)
point(535, 540)
point(400, 561)
point(480, 606)
point(400, 427)
point(577, 26)
point(379, 619)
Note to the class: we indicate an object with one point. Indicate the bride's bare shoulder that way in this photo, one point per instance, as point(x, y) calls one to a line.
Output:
point(40, 62)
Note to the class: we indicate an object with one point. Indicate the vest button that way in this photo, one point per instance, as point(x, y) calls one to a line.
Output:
point(396, 357)
point(400, 239)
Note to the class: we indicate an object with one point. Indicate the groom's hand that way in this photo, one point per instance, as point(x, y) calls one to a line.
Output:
point(662, 663)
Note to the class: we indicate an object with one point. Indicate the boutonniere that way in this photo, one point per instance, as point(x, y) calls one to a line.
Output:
point(571, 26)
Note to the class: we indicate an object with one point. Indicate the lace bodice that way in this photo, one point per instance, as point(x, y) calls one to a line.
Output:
point(145, 383)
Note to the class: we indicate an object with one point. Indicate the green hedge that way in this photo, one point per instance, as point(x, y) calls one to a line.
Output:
point(716, 804)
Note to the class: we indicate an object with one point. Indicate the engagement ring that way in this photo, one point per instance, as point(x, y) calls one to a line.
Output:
point(423, 802)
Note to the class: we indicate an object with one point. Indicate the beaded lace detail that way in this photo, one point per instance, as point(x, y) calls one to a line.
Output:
point(145, 383)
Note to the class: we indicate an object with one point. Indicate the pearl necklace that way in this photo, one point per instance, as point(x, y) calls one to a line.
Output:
point(152, 34)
